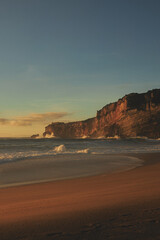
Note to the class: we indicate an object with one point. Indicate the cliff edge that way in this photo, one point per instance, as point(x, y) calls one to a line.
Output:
point(131, 116)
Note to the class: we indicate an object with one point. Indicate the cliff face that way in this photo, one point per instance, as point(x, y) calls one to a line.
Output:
point(133, 115)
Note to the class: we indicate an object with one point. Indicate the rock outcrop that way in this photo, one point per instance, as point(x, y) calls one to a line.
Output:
point(133, 115)
point(35, 136)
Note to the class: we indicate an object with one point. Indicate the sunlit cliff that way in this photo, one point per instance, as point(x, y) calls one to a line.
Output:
point(131, 116)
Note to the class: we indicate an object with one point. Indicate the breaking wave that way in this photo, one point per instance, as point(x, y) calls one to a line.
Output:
point(115, 137)
point(49, 135)
point(18, 149)
point(84, 151)
point(84, 137)
point(59, 149)
point(62, 149)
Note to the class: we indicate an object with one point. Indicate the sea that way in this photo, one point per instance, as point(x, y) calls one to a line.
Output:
point(25, 161)
point(16, 149)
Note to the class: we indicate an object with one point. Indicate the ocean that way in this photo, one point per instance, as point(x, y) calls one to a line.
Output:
point(25, 161)
point(13, 149)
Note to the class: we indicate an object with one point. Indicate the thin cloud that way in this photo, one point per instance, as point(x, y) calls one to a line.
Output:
point(30, 119)
point(3, 121)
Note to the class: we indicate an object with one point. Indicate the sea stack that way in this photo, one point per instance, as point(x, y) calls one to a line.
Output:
point(35, 136)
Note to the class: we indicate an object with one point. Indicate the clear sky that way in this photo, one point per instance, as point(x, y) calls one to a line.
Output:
point(62, 60)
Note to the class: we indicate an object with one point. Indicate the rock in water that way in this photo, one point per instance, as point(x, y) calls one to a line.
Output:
point(35, 136)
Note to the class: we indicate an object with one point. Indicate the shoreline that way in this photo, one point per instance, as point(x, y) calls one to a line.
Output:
point(116, 206)
point(58, 168)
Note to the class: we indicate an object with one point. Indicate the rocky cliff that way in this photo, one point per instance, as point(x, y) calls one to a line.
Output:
point(133, 115)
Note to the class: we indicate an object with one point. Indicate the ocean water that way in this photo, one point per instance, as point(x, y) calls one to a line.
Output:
point(19, 149)
point(26, 161)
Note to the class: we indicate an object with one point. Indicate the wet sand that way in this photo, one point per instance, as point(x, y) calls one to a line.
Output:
point(60, 167)
point(123, 205)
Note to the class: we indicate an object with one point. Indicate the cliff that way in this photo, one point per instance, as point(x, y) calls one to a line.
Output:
point(131, 116)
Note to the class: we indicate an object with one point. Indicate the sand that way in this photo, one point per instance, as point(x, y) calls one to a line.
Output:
point(52, 168)
point(123, 205)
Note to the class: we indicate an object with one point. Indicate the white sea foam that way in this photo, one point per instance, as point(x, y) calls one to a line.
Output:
point(59, 149)
point(19, 149)
point(83, 151)
point(62, 149)
point(115, 137)
point(101, 137)
point(19, 155)
point(49, 135)
point(84, 137)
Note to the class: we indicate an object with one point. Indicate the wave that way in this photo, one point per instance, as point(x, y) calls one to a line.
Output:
point(84, 137)
point(144, 138)
point(19, 156)
point(59, 149)
point(139, 137)
point(13, 149)
point(50, 135)
point(87, 150)
point(62, 149)
point(101, 137)
point(115, 137)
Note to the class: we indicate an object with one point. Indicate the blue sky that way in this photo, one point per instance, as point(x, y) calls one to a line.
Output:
point(72, 57)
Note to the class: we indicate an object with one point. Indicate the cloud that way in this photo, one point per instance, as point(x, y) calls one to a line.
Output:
point(30, 119)
point(3, 121)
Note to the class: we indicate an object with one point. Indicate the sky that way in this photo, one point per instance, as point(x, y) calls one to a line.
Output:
point(62, 60)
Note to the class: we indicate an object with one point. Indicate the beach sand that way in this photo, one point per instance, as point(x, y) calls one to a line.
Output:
point(124, 205)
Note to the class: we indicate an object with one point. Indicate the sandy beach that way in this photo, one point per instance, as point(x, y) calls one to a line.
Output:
point(124, 205)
